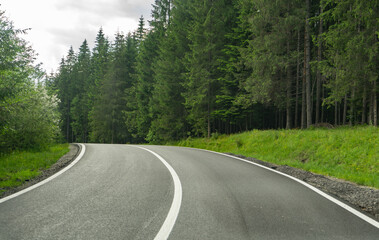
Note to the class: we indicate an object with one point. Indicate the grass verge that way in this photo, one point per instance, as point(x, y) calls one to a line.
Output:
point(19, 166)
point(350, 153)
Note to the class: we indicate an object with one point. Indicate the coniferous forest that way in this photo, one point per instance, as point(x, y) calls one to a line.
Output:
point(205, 67)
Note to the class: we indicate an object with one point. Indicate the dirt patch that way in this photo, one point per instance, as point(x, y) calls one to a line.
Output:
point(360, 197)
point(56, 167)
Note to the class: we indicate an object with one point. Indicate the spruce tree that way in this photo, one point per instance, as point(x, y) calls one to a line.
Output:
point(80, 103)
point(351, 64)
point(271, 54)
point(167, 105)
point(207, 36)
point(139, 118)
point(99, 66)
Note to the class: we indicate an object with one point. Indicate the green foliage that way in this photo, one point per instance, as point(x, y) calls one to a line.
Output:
point(19, 166)
point(80, 103)
point(107, 118)
point(67, 88)
point(351, 62)
point(335, 152)
point(167, 103)
point(30, 120)
point(28, 114)
point(207, 35)
point(16, 59)
point(204, 67)
point(273, 25)
point(139, 113)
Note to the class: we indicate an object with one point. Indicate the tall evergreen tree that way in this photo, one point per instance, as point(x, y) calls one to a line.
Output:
point(234, 102)
point(140, 118)
point(99, 67)
point(167, 105)
point(351, 64)
point(271, 54)
point(108, 120)
point(67, 90)
point(80, 103)
point(141, 31)
point(207, 36)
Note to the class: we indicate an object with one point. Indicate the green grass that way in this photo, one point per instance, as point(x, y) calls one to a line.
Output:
point(19, 166)
point(350, 153)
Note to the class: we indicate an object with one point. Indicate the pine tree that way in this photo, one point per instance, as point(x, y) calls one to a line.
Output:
point(207, 36)
point(272, 54)
point(351, 64)
point(80, 104)
point(167, 105)
point(234, 104)
point(108, 120)
point(139, 118)
point(67, 91)
point(141, 31)
point(99, 67)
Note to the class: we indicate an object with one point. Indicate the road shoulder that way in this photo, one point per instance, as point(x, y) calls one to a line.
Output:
point(56, 167)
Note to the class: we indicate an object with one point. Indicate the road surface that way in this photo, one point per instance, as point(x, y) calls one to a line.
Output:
point(129, 192)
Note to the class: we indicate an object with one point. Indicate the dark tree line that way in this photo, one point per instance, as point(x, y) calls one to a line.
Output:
point(207, 66)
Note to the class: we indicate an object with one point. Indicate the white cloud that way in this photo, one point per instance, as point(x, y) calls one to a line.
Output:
point(58, 24)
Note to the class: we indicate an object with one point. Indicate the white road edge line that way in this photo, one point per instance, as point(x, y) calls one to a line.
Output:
point(47, 179)
point(172, 215)
point(330, 198)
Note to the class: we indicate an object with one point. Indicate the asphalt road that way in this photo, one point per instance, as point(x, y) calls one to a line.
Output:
point(126, 192)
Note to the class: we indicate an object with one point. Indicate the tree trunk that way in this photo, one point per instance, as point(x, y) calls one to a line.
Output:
point(303, 105)
point(370, 111)
point(344, 110)
point(322, 105)
point(209, 119)
point(307, 67)
point(281, 119)
point(289, 88)
point(68, 122)
point(278, 119)
point(364, 105)
point(303, 97)
point(375, 105)
point(319, 77)
point(297, 79)
point(352, 109)
point(335, 113)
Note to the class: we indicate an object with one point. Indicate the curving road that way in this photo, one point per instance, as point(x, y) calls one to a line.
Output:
point(129, 192)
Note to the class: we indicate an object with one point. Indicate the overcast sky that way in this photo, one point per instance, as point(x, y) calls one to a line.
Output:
point(58, 24)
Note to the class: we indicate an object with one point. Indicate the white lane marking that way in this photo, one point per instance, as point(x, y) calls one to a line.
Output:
point(172, 215)
point(330, 198)
point(47, 179)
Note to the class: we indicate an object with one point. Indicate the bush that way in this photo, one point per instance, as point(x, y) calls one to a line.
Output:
point(29, 120)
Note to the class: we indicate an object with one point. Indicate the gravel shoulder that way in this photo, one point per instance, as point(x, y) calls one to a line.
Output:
point(56, 167)
point(360, 197)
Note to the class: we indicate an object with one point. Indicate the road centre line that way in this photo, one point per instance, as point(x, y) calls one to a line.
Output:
point(330, 198)
point(173, 213)
point(83, 150)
